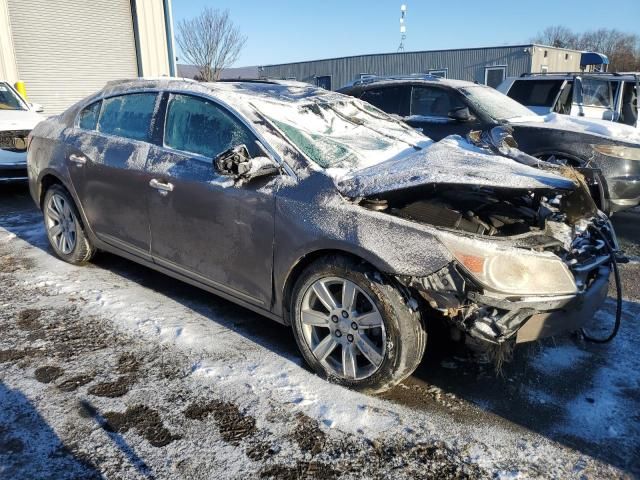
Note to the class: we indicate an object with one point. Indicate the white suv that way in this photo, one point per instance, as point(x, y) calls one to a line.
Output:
point(606, 96)
point(17, 119)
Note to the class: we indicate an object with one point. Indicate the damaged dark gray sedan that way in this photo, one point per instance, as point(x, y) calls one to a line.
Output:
point(322, 212)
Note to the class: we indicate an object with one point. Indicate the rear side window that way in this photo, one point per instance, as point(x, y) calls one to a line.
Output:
point(393, 100)
point(128, 115)
point(88, 117)
point(535, 93)
point(199, 126)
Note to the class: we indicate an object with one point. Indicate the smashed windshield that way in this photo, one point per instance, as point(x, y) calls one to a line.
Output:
point(342, 133)
point(8, 99)
point(494, 103)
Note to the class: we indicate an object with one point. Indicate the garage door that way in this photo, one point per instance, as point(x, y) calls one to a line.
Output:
point(68, 49)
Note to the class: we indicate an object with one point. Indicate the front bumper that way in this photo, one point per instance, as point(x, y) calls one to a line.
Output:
point(535, 318)
point(13, 166)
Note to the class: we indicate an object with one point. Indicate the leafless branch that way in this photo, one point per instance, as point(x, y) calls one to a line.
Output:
point(211, 42)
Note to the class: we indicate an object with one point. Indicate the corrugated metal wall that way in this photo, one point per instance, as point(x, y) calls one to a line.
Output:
point(463, 64)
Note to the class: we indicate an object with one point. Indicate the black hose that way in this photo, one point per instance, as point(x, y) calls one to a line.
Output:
point(616, 275)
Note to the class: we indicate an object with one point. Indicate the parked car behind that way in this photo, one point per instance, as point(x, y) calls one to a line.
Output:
point(17, 118)
point(441, 107)
point(319, 211)
point(603, 96)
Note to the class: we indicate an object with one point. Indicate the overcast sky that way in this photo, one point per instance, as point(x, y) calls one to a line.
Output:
point(286, 31)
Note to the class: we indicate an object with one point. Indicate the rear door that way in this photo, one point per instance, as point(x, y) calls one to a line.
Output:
point(202, 225)
point(430, 109)
point(107, 159)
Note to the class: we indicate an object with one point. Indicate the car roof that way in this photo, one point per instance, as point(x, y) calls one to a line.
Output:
point(407, 80)
point(234, 91)
point(568, 75)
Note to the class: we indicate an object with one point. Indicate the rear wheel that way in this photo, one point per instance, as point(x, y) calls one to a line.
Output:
point(354, 328)
point(64, 229)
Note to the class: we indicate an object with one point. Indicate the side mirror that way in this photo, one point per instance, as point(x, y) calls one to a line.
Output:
point(237, 163)
point(36, 107)
point(461, 115)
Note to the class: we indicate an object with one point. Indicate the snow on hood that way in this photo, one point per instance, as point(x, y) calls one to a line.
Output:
point(602, 128)
point(452, 160)
point(18, 120)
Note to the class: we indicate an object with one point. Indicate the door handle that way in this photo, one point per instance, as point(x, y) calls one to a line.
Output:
point(79, 160)
point(162, 187)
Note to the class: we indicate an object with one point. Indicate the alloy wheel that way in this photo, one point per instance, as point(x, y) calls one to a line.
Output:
point(61, 224)
point(343, 328)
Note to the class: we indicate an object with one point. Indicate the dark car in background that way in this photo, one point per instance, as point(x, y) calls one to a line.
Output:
point(319, 211)
point(441, 107)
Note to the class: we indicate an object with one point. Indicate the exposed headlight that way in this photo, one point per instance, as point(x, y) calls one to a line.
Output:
point(618, 151)
point(512, 271)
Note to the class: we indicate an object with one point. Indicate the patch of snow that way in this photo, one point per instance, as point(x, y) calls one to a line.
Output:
point(602, 128)
point(452, 160)
point(553, 361)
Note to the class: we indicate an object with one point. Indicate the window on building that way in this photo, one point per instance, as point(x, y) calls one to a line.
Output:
point(393, 100)
point(324, 81)
point(433, 102)
point(442, 73)
point(494, 76)
point(128, 115)
point(88, 117)
point(196, 125)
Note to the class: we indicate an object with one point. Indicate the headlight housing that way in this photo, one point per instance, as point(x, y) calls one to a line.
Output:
point(618, 151)
point(512, 271)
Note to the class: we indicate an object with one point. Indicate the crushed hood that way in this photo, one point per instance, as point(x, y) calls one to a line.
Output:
point(451, 161)
point(582, 125)
point(18, 120)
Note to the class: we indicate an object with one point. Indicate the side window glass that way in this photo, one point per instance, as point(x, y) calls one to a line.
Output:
point(596, 93)
point(198, 126)
point(433, 102)
point(88, 117)
point(393, 100)
point(128, 115)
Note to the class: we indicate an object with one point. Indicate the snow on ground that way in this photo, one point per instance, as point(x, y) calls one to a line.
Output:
point(114, 370)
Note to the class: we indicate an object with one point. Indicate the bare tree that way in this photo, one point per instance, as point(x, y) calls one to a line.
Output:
point(621, 48)
point(211, 42)
point(556, 36)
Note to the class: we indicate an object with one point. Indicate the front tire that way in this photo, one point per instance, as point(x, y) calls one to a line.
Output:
point(353, 327)
point(64, 230)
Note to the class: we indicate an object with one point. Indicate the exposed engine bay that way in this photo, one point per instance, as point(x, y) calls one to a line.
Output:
point(482, 211)
point(491, 297)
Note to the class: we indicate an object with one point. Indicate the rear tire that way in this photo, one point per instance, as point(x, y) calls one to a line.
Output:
point(369, 339)
point(64, 229)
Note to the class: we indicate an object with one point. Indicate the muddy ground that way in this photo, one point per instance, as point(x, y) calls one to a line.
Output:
point(115, 371)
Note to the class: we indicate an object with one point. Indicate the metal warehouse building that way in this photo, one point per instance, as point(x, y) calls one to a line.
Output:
point(64, 50)
point(488, 66)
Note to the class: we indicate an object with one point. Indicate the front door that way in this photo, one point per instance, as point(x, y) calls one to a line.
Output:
point(430, 109)
point(595, 98)
point(107, 161)
point(203, 225)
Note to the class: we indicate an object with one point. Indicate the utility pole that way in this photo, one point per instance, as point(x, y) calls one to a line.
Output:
point(403, 27)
